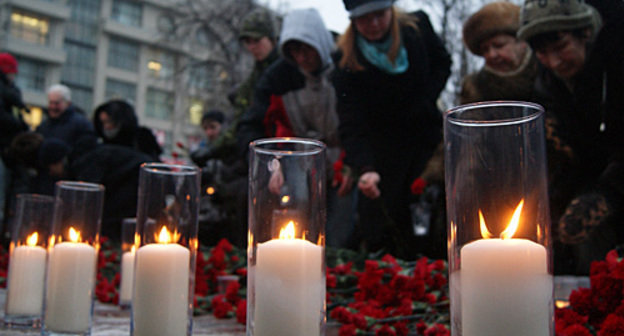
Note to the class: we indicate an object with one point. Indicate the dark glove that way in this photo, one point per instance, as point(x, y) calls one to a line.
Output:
point(201, 155)
point(583, 215)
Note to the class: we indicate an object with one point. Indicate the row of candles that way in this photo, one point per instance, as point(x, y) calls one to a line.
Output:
point(54, 248)
point(497, 285)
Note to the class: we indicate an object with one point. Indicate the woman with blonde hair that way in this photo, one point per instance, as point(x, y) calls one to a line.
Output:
point(391, 68)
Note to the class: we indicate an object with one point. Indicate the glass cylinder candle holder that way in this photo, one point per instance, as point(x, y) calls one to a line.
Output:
point(164, 278)
point(128, 250)
point(286, 238)
point(499, 248)
point(72, 262)
point(27, 262)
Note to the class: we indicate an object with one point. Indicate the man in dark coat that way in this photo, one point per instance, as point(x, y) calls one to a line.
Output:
point(115, 167)
point(581, 84)
point(64, 121)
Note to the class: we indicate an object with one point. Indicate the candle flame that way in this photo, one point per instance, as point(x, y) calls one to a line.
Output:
point(285, 199)
point(511, 228)
point(513, 223)
point(164, 237)
point(74, 235)
point(288, 232)
point(485, 233)
point(210, 191)
point(562, 304)
point(32, 239)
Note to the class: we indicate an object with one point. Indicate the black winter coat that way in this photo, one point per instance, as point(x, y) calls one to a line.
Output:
point(586, 145)
point(389, 123)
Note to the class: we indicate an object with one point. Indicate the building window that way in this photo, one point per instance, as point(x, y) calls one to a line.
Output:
point(123, 54)
point(201, 77)
point(196, 110)
point(30, 28)
point(127, 12)
point(161, 64)
point(31, 75)
point(159, 104)
point(79, 68)
point(83, 24)
point(120, 90)
point(82, 98)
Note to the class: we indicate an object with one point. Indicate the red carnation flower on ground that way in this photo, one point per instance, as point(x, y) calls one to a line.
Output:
point(575, 330)
point(241, 312)
point(347, 330)
point(613, 325)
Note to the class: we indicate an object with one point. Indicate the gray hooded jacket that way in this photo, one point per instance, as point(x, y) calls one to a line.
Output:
point(312, 109)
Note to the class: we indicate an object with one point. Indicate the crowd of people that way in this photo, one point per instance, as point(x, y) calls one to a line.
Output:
point(371, 95)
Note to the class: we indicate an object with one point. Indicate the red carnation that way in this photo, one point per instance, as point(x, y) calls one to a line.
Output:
point(437, 330)
point(341, 314)
point(385, 330)
point(231, 292)
point(575, 330)
point(418, 186)
point(580, 300)
point(347, 330)
point(220, 307)
point(241, 312)
point(613, 325)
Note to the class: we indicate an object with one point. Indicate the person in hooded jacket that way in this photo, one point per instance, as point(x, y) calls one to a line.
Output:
point(391, 68)
point(296, 98)
point(116, 123)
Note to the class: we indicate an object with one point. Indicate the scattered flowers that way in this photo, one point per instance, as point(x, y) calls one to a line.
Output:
point(598, 310)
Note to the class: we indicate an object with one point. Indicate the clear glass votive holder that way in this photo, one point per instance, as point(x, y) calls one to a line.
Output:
point(286, 238)
point(72, 262)
point(164, 278)
point(27, 262)
point(499, 248)
point(128, 250)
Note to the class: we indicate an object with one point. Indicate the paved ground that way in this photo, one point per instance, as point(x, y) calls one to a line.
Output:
point(112, 321)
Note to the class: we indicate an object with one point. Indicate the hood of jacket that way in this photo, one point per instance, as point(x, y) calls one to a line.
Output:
point(307, 26)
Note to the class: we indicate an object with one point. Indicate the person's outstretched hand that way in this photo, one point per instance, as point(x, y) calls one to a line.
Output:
point(368, 184)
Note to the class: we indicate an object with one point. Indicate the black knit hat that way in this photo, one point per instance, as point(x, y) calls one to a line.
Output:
point(213, 115)
point(52, 150)
point(360, 7)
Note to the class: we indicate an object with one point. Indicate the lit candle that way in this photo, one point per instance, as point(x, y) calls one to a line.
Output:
point(69, 291)
point(26, 278)
point(505, 285)
point(289, 286)
point(127, 277)
point(160, 303)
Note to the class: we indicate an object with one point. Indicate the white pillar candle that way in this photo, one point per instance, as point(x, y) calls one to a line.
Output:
point(69, 291)
point(127, 277)
point(160, 303)
point(289, 288)
point(26, 280)
point(505, 288)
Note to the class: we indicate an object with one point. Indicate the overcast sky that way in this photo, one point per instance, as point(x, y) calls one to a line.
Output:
point(333, 11)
